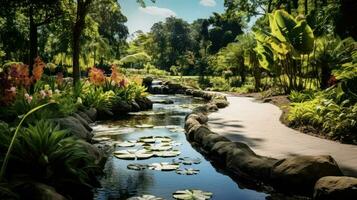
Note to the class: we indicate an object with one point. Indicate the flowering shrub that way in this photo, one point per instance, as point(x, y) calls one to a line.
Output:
point(96, 76)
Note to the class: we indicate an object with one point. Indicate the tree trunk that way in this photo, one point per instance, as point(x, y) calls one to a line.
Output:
point(325, 77)
point(75, 52)
point(82, 9)
point(306, 7)
point(33, 40)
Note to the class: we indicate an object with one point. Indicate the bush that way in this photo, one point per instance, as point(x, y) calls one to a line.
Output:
point(299, 97)
point(44, 153)
point(339, 121)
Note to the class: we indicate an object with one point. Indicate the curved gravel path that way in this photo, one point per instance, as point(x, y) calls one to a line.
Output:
point(258, 125)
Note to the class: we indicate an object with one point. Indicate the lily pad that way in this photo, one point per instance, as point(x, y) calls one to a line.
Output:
point(153, 139)
point(126, 144)
point(101, 139)
point(145, 197)
point(137, 167)
point(187, 171)
point(188, 160)
point(133, 154)
point(158, 147)
point(164, 166)
point(163, 138)
point(192, 195)
point(167, 154)
point(147, 139)
point(144, 126)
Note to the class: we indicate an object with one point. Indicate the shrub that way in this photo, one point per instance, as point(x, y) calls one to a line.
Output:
point(44, 153)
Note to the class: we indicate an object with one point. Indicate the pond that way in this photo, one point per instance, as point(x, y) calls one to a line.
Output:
point(119, 182)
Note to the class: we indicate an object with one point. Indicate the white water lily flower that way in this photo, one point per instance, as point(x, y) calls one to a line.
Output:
point(164, 166)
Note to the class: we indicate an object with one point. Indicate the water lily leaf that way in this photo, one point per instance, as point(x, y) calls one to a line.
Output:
point(126, 144)
point(153, 139)
point(133, 154)
point(159, 127)
point(163, 138)
point(187, 171)
point(144, 126)
point(188, 160)
point(145, 197)
point(137, 167)
point(166, 154)
point(147, 139)
point(158, 147)
point(164, 166)
point(192, 195)
point(101, 139)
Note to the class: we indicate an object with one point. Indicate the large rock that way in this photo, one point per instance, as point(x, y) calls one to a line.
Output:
point(220, 103)
point(91, 113)
point(75, 127)
point(209, 140)
point(190, 122)
point(336, 188)
point(220, 150)
point(98, 155)
point(85, 116)
point(135, 106)
point(83, 121)
point(200, 133)
point(44, 192)
point(200, 117)
point(147, 81)
point(244, 162)
point(144, 103)
point(298, 174)
point(121, 107)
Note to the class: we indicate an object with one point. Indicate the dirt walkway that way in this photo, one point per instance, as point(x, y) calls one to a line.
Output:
point(258, 125)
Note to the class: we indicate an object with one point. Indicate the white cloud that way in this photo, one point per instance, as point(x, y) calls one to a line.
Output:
point(156, 11)
point(208, 3)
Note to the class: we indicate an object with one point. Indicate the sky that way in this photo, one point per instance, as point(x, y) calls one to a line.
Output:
point(143, 18)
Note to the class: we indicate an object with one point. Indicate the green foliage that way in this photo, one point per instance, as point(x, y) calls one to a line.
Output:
point(44, 153)
point(338, 120)
point(298, 97)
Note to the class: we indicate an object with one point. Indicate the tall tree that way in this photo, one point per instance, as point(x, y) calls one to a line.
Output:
point(39, 13)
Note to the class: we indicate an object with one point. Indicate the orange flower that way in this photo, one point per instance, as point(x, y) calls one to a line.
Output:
point(19, 74)
point(38, 69)
point(116, 76)
point(96, 76)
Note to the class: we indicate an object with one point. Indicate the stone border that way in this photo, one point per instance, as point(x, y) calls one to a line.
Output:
point(312, 176)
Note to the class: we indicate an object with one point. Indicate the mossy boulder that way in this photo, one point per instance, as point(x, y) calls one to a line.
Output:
point(335, 188)
point(298, 174)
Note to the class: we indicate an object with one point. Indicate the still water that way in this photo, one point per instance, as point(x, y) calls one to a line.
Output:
point(122, 183)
